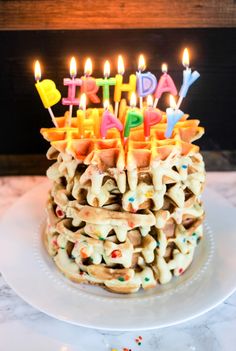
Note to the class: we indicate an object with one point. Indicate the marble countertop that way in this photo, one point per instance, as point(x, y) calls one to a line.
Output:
point(24, 328)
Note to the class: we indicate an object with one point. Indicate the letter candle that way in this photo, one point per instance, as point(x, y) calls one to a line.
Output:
point(106, 82)
point(47, 91)
point(173, 116)
point(152, 116)
point(133, 118)
point(109, 121)
point(72, 84)
point(146, 82)
point(165, 85)
point(189, 77)
point(120, 87)
point(89, 86)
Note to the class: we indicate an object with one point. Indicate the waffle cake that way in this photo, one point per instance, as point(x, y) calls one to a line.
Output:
point(124, 215)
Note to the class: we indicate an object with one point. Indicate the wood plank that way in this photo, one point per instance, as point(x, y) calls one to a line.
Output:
point(38, 164)
point(106, 14)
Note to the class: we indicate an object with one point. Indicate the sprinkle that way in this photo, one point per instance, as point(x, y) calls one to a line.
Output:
point(138, 340)
point(121, 279)
point(158, 243)
point(131, 199)
point(181, 270)
point(114, 350)
point(194, 234)
point(131, 224)
point(184, 166)
point(184, 240)
point(149, 194)
point(63, 248)
point(84, 253)
point(101, 238)
point(116, 253)
point(126, 277)
point(146, 279)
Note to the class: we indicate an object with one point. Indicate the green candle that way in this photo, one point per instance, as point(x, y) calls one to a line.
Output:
point(134, 117)
point(106, 82)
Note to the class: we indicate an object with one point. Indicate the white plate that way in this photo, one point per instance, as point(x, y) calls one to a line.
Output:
point(31, 273)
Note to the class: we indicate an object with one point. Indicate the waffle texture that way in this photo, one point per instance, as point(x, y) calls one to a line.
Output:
point(124, 215)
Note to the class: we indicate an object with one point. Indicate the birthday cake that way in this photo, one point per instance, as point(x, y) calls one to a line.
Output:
point(124, 210)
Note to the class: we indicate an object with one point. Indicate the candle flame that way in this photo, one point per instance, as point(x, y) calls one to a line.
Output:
point(141, 63)
point(121, 67)
point(73, 68)
point(106, 69)
point(82, 102)
point(106, 104)
point(172, 102)
point(185, 59)
point(164, 68)
point(88, 68)
point(133, 100)
point(150, 101)
point(37, 70)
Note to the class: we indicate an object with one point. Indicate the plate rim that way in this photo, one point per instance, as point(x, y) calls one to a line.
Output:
point(88, 325)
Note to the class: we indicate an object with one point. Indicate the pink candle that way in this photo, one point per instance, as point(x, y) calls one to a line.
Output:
point(109, 121)
point(152, 116)
point(72, 83)
point(165, 85)
point(89, 86)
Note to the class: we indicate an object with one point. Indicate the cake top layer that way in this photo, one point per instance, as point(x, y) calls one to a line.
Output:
point(117, 151)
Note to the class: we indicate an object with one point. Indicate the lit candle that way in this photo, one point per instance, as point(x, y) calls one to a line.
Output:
point(146, 82)
point(47, 91)
point(189, 77)
point(89, 86)
point(133, 118)
point(106, 82)
point(88, 121)
point(120, 87)
point(165, 85)
point(152, 116)
point(109, 121)
point(173, 116)
point(72, 84)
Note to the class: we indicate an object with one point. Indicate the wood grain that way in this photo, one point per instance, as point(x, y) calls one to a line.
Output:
point(106, 14)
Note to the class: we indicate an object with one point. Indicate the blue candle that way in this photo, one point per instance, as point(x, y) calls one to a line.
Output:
point(146, 82)
point(173, 116)
point(189, 78)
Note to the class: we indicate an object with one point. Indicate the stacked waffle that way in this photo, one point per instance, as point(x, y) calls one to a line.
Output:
point(124, 215)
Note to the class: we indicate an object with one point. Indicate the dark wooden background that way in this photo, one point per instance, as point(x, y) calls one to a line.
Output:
point(100, 14)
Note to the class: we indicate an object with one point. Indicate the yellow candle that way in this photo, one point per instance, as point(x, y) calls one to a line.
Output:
point(47, 91)
point(120, 86)
point(88, 121)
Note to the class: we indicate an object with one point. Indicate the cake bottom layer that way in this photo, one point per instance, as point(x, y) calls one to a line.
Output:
point(93, 253)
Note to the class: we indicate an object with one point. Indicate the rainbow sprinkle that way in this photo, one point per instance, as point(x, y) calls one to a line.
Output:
point(138, 340)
